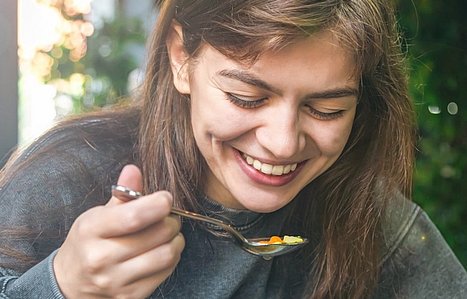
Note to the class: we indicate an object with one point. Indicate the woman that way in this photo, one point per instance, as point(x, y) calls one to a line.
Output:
point(282, 117)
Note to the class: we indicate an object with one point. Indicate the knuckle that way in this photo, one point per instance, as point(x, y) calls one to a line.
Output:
point(94, 262)
point(84, 224)
point(102, 282)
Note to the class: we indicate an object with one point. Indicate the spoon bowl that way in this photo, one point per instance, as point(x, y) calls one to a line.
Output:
point(253, 245)
point(268, 251)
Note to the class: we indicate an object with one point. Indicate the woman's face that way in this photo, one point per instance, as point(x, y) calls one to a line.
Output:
point(268, 129)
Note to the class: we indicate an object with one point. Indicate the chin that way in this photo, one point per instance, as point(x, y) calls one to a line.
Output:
point(263, 206)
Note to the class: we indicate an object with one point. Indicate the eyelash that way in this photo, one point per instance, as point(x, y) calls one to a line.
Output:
point(256, 103)
point(245, 104)
point(325, 115)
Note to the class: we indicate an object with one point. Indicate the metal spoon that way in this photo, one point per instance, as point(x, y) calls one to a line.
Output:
point(253, 246)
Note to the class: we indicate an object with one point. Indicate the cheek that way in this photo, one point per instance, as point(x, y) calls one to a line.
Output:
point(214, 117)
point(331, 138)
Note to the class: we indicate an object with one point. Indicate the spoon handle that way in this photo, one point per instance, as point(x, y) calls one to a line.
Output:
point(233, 232)
point(127, 194)
point(198, 217)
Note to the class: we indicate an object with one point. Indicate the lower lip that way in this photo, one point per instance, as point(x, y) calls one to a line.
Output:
point(266, 179)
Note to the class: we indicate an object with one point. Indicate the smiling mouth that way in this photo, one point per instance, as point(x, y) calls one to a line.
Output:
point(269, 169)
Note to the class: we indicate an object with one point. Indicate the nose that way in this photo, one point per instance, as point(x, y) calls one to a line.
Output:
point(281, 133)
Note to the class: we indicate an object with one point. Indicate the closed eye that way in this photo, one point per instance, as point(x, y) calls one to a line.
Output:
point(245, 102)
point(325, 115)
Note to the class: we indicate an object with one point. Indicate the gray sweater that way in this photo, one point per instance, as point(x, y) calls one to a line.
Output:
point(64, 181)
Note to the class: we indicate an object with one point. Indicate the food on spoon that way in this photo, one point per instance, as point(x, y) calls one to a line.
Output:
point(288, 240)
point(293, 239)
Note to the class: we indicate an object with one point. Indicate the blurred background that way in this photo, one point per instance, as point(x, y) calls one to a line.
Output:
point(62, 57)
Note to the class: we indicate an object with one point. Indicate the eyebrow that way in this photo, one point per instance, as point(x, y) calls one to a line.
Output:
point(247, 78)
point(250, 79)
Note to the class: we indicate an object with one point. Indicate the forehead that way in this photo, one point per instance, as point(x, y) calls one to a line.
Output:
point(317, 59)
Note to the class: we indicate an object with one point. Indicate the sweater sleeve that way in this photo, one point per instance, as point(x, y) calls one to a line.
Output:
point(59, 177)
point(37, 282)
point(34, 220)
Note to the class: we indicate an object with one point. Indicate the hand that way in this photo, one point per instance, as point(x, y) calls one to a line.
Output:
point(122, 249)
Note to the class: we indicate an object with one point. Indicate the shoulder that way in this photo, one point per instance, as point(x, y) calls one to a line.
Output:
point(417, 262)
point(397, 221)
point(59, 176)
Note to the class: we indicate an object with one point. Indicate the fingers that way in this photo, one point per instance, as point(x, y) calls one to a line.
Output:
point(155, 264)
point(134, 278)
point(130, 217)
point(123, 248)
point(130, 177)
point(139, 276)
point(136, 243)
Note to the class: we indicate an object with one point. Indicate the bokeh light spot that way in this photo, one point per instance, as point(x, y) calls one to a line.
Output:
point(434, 109)
point(453, 109)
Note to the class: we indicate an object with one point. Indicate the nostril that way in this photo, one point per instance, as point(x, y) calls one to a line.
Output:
point(282, 139)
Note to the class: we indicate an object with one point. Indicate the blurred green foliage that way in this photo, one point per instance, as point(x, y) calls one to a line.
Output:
point(435, 35)
point(109, 59)
point(108, 62)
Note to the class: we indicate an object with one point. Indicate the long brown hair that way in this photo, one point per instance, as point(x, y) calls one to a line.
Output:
point(348, 199)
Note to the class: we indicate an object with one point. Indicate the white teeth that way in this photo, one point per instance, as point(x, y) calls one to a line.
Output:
point(268, 168)
point(278, 170)
point(256, 164)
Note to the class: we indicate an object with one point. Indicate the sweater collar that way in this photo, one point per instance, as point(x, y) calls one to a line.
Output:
point(245, 221)
point(238, 218)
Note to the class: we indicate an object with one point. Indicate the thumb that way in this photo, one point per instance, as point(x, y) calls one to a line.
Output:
point(130, 177)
